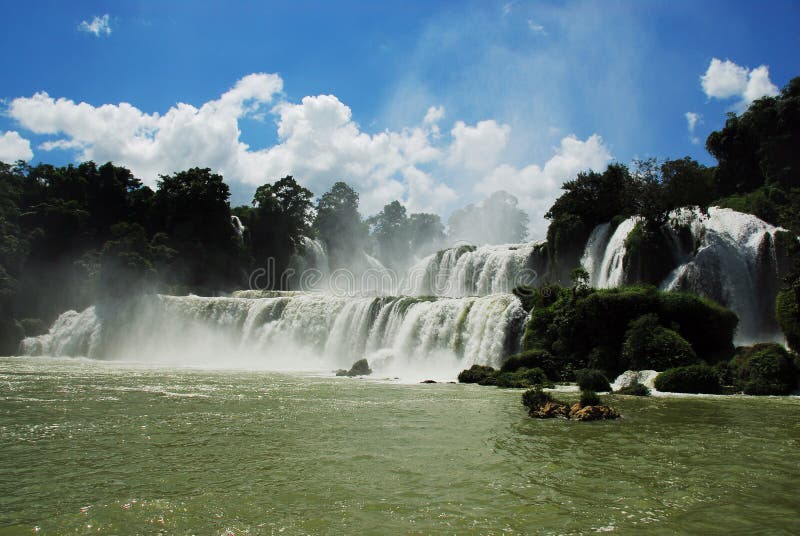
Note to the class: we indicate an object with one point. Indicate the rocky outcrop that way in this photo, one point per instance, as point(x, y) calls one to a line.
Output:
point(592, 413)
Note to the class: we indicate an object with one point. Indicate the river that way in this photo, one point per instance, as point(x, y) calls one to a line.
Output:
point(109, 447)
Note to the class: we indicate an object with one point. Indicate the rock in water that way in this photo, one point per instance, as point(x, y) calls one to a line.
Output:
point(359, 368)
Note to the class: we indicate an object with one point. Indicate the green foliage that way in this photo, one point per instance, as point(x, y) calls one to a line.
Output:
point(359, 368)
point(535, 398)
point(519, 378)
point(689, 379)
point(567, 332)
point(534, 359)
point(765, 369)
point(475, 374)
point(634, 389)
point(787, 311)
point(589, 398)
point(281, 218)
point(592, 379)
point(649, 346)
point(339, 224)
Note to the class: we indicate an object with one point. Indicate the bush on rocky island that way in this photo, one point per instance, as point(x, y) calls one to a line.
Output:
point(359, 368)
point(519, 379)
point(634, 389)
point(543, 406)
point(689, 379)
point(589, 398)
point(592, 379)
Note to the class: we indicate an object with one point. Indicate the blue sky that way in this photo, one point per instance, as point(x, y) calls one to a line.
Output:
point(436, 104)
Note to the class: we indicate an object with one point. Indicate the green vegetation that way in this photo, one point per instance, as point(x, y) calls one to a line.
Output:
point(634, 389)
point(592, 379)
point(689, 379)
point(519, 378)
point(765, 369)
point(589, 398)
point(359, 368)
point(650, 346)
point(572, 329)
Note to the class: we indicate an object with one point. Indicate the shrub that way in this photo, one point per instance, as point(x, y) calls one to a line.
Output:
point(475, 374)
point(535, 398)
point(634, 389)
point(650, 346)
point(787, 311)
point(589, 398)
point(689, 379)
point(359, 368)
point(534, 359)
point(592, 379)
point(522, 378)
point(765, 369)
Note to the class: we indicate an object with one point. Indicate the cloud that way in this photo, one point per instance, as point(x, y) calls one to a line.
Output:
point(14, 147)
point(318, 142)
point(725, 79)
point(477, 148)
point(535, 27)
point(537, 187)
point(692, 120)
point(98, 26)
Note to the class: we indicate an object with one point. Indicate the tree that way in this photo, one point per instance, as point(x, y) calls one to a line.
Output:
point(391, 229)
point(339, 225)
point(427, 232)
point(496, 220)
point(192, 208)
point(279, 223)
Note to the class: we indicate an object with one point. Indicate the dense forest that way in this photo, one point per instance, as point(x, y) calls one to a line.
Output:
point(80, 234)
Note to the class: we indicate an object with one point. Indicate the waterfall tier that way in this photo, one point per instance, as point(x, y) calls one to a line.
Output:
point(725, 255)
point(471, 271)
point(296, 331)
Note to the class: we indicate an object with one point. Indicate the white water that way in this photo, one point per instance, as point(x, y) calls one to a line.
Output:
point(726, 263)
point(607, 270)
point(238, 228)
point(401, 336)
point(645, 377)
point(462, 271)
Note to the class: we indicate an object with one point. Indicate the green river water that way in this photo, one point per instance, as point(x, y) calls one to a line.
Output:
point(98, 447)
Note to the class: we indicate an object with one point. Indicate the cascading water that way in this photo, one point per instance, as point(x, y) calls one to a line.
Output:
point(403, 336)
point(470, 271)
point(731, 259)
point(238, 227)
point(603, 257)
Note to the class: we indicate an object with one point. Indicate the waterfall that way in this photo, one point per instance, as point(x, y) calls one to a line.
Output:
point(609, 272)
point(595, 248)
point(731, 260)
point(296, 331)
point(238, 227)
point(734, 263)
point(471, 271)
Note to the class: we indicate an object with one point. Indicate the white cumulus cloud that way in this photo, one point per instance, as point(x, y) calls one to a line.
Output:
point(318, 142)
point(98, 26)
point(725, 79)
point(478, 147)
point(537, 187)
point(14, 147)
